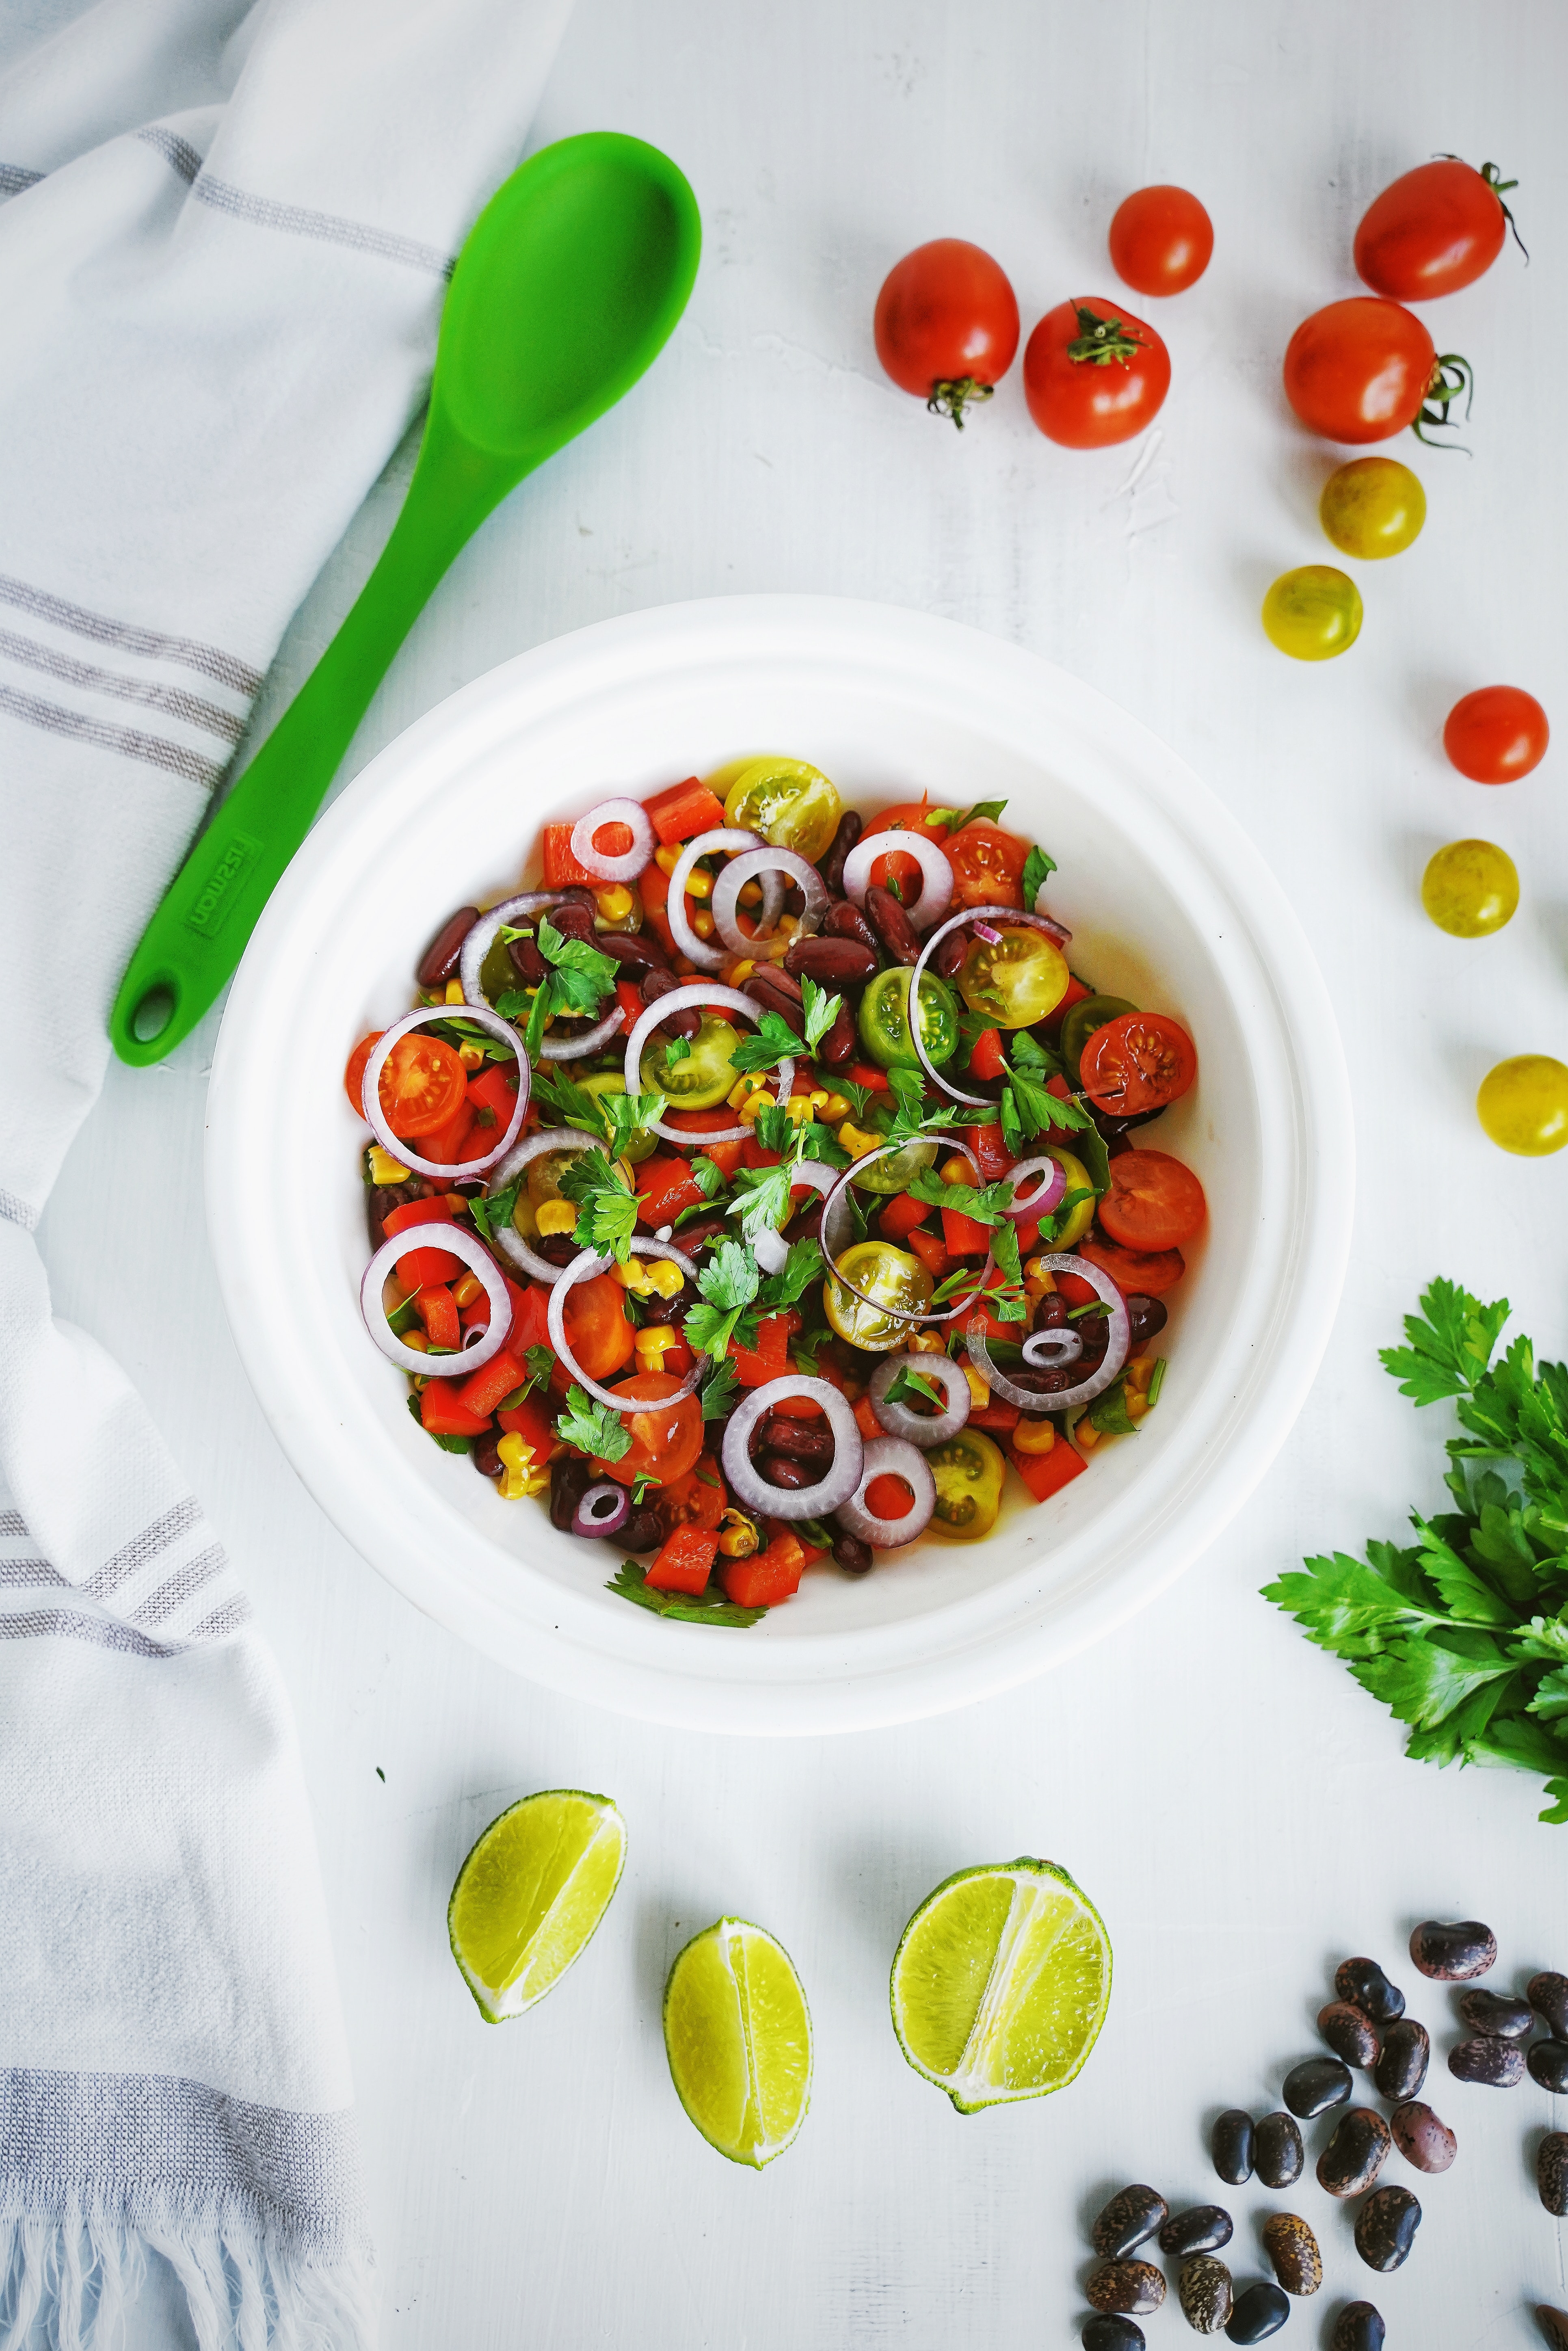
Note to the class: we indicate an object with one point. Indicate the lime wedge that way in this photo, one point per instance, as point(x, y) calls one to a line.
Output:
point(1001, 1982)
point(738, 2036)
point(531, 1894)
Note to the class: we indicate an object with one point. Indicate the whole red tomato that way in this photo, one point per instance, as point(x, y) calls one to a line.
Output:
point(1093, 375)
point(1364, 369)
point(947, 325)
point(1161, 240)
point(1496, 735)
point(1439, 228)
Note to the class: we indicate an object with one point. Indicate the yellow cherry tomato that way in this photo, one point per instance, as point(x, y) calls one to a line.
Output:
point(1373, 507)
point(791, 805)
point(969, 1471)
point(1313, 612)
point(889, 1276)
point(1523, 1105)
point(1014, 979)
point(1471, 888)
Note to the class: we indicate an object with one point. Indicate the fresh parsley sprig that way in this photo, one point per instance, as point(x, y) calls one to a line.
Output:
point(909, 1386)
point(986, 1206)
point(773, 1042)
point(593, 1428)
point(629, 1581)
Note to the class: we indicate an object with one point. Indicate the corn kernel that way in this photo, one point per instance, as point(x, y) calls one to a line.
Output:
point(753, 1082)
point(751, 1109)
point(656, 1342)
point(635, 1276)
point(665, 1277)
point(1140, 1371)
point(924, 1342)
point(1040, 1274)
point(1136, 1403)
point(737, 1535)
point(979, 1388)
point(557, 1217)
point(1033, 1437)
point(788, 926)
point(454, 992)
point(668, 857)
point(750, 894)
point(699, 882)
point(613, 902)
point(417, 1341)
point(702, 923)
point(834, 1107)
point(956, 1171)
point(855, 1141)
point(521, 1472)
point(470, 1056)
point(466, 1291)
point(385, 1169)
point(740, 972)
point(800, 1109)
point(456, 1203)
point(1086, 1435)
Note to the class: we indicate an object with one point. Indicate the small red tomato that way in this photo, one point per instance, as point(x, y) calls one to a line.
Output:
point(1161, 240)
point(1496, 735)
point(947, 325)
point(1439, 228)
point(1094, 376)
point(1363, 369)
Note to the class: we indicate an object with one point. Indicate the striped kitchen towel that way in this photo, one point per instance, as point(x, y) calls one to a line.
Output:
point(224, 237)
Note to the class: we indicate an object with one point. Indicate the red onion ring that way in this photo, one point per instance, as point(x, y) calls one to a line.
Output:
point(508, 1239)
point(460, 1242)
point(582, 1268)
point(753, 1491)
point(482, 937)
point(733, 838)
point(832, 1252)
point(914, 1428)
point(585, 1518)
point(936, 871)
point(1118, 1337)
point(697, 991)
point(463, 1170)
point(890, 1457)
point(970, 914)
point(1043, 1199)
point(732, 880)
point(633, 861)
point(591, 1041)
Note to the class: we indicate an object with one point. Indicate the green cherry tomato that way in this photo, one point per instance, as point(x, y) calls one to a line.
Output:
point(705, 1074)
point(1014, 981)
point(1091, 1012)
point(893, 1173)
point(792, 806)
point(1471, 888)
point(884, 1019)
point(1523, 1105)
point(1081, 1214)
point(1373, 507)
point(1312, 614)
point(889, 1276)
point(642, 1142)
point(968, 1469)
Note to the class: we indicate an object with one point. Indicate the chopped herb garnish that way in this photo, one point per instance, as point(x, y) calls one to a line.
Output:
point(1036, 866)
point(593, 1428)
point(630, 1581)
point(907, 1386)
point(775, 1041)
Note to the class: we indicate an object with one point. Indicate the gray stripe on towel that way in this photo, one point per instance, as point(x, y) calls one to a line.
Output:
point(11, 1523)
point(26, 1574)
point(205, 1569)
point(223, 1621)
point(171, 700)
point(15, 177)
point(164, 1529)
point(153, 751)
point(178, 153)
point(67, 1624)
point(17, 1212)
point(331, 228)
point(223, 669)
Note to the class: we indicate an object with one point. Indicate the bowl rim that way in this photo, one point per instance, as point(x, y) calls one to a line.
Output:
point(847, 1686)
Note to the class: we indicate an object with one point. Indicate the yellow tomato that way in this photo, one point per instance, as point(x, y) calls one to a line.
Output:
point(1471, 888)
point(791, 805)
point(889, 1276)
point(1014, 980)
point(1313, 612)
point(1523, 1105)
point(1373, 507)
point(969, 1471)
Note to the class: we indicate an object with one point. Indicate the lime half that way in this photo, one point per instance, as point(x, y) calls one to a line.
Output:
point(531, 1894)
point(738, 2036)
point(1001, 1982)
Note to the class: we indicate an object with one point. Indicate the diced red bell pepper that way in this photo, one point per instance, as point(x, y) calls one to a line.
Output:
point(1075, 1290)
point(757, 1155)
point(778, 1527)
point(684, 1560)
point(563, 871)
point(437, 1310)
point(531, 1422)
point(931, 1255)
point(965, 1236)
point(874, 1081)
point(629, 997)
point(901, 1216)
point(990, 1153)
point(991, 1325)
point(798, 1407)
point(682, 811)
point(443, 1414)
point(1076, 992)
point(483, 1391)
point(986, 1059)
point(995, 1416)
point(769, 1359)
point(418, 1267)
point(664, 1186)
point(866, 1420)
point(1149, 1271)
point(767, 1577)
point(444, 1146)
point(494, 1088)
point(699, 1125)
point(527, 1327)
point(1045, 1473)
point(1029, 1239)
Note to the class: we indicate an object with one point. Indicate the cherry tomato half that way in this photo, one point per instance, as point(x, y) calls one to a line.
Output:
point(988, 866)
point(1093, 375)
point(1372, 508)
point(1360, 370)
point(1523, 1105)
point(1471, 888)
point(1313, 612)
point(597, 1328)
point(1137, 1273)
point(665, 1445)
point(1155, 1201)
point(1138, 1063)
point(1435, 229)
point(354, 1075)
point(1496, 735)
point(422, 1083)
point(1161, 240)
point(947, 325)
point(909, 816)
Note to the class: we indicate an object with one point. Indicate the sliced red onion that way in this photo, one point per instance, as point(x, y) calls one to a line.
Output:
point(834, 1242)
point(605, 1507)
point(914, 1428)
point(1022, 1209)
point(769, 1249)
point(463, 1170)
point(724, 837)
point(591, 1041)
point(482, 937)
point(507, 1240)
point(935, 872)
point(462, 1243)
point(732, 880)
point(1044, 1352)
point(983, 931)
point(747, 1483)
point(584, 1267)
point(979, 915)
point(626, 868)
point(890, 1457)
point(698, 992)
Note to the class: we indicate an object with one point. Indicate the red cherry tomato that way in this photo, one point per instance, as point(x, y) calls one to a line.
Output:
point(1137, 1273)
point(1496, 735)
point(665, 1445)
point(597, 1330)
point(354, 1075)
point(1361, 370)
point(1154, 1202)
point(1093, 375)
point(1138, 1063)
point(947, 325)
point(1439, 228)
point(422, 1084)
point(987, 863)
point(1161, 240)
point(698, 1498)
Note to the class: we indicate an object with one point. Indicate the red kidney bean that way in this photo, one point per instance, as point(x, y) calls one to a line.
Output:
point(1495, 2063)
point(764, 991)
point(892, 925)
point(831, 963)
point(839, 1045)
point(781, 981)
point(1363, 1982)
point(635, 951)
point(1453, 1952)
point(780, 1470)
point(485, 1456)
point(1356, 2155)
point(439, 961)
point(851, 824)
point(556, 1249)
point(850, 1553)
point(1422, 2138)
point(1547, 1996)
point(845, 920)
point(574, 921)
point(1349, 2033)
point(944, 963)
point(641, 1532)
point(527, 962)
point(383, 1199)
point(683, 1023)
point(1146, 1317)
point(569, 1480)
point(802, 1440)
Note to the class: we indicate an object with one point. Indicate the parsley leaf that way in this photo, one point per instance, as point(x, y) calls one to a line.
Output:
point(629, 1581)
point(718, 1391)
point(775, 1041)
point(988, 1207)
point(859, 1098)
point(729, 1282)
point(593, 1428)
point(952, 823)
point(908, 1387)
point(763, 1204)
point(1036, 866)
point(607, 1212)
point(1007, 1302)
point(821, 1010)
point(706, 1176)
point(1109, 1413)
point(794, 1277)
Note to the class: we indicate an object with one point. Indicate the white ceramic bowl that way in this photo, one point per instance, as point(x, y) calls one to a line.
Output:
point(1169, 904)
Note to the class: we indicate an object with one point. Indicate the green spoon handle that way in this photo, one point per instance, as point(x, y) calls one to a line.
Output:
point(193, 944)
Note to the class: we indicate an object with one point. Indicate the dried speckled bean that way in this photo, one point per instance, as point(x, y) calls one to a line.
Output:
point(1262, 2310)
point(1231, 2144)
point(1547, 2063)
point(1495, 2064)
point(1201, 2228)
point(1422, 2138)
point(1350, 2033)
point(1127, 2221)
point(1130, 2288)
point(1407, 2053)
point(1453, 1950)
point(1547, 1996)
point(1499, 2012)
point(1363, 1982)
point(1356, 2155)
point(1278, 2151)
point(1204, 2291)
point(1552, 2172)
point(1386, 2228)
point(1292, 2252)
point(1316, 2084)
point(1358, 2327)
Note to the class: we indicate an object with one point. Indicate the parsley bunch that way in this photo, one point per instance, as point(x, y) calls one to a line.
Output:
point(1463, 1635)
point(737, 1296)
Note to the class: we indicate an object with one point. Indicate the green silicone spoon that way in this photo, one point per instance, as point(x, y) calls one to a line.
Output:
point(569, 284)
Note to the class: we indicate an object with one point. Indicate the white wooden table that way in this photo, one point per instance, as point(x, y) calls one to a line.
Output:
point(1241, 1812)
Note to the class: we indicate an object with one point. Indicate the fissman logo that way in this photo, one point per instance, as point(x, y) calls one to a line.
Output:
point(216, 895)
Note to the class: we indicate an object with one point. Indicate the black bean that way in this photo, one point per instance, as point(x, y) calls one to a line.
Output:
point(485, 1457)
point(831, 963)
point(794, 1477)
point(1363, 1982)
point(1552, 2172)
point(1386, 2228)
point(1146, 1317)
point(1349, 2033)
point(1496, 2012)
point(845, 920)
point(944, 963)
point(1261, 2310)
point(1407, 2053)
point(1356, 2153)
point(556, 1249)
point(1201, 2228)
point(1547, 1996)
point(1292, 2252)
point(855, 1557)
point(1494, 2063)
point(839, 1045)
point(383, 1199)
point(1278, 2150)
point(851, 824)
point(439, 961)
point(1204, 2291)
point(803, 1440)
point(1422, 2137)
point(1231, 2144)
point(1315, 2085)
point(569, 1480)
point(1131, 2288)
point(1455, 1951)
point(1127, 2221)
point(1108, 2334)
point(1547, 2063)
point(1358, 2327)
point(643, 1530)
point(892, 925)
